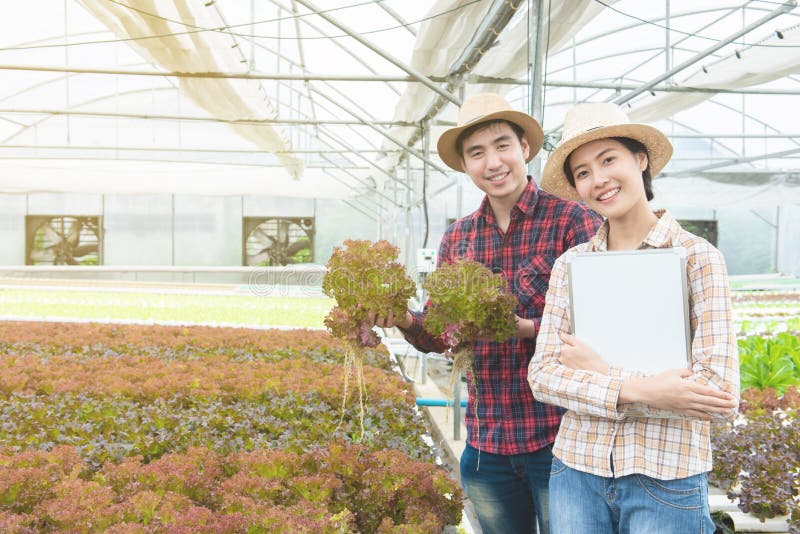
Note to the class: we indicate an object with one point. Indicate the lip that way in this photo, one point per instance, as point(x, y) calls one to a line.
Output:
point(498, 178)
point(612, 197)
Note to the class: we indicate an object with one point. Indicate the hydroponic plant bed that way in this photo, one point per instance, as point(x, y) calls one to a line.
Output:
point(111, 428)
point(757, 461)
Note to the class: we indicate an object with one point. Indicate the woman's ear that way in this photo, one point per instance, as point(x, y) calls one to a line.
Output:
point(642, 158)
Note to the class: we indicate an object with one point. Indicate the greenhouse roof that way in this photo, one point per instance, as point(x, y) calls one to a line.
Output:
point(345, 98)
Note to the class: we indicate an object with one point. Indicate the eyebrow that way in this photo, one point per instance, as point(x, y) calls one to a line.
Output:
point(597, 156)
point(498, 139)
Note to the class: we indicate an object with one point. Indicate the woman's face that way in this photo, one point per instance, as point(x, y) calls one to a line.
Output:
point(608, 177)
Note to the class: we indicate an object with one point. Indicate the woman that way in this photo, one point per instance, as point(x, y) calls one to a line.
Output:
point(633, 451)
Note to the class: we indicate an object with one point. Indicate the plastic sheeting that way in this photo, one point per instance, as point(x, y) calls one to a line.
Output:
point(776, 58)
point(198, 52)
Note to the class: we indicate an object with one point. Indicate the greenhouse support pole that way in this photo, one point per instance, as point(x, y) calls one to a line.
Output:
point(536, 51)
point(457, 408)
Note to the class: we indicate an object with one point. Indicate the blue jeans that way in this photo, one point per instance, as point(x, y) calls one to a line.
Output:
point(509, 492)
point(581, 502)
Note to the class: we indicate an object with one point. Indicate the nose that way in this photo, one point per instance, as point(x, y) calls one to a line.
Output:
point(493, 159)
point(600, 178)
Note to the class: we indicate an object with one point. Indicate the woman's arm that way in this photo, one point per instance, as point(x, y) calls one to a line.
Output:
point(712, 384)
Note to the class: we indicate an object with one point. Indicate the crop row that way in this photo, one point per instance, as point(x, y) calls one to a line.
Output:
point(173, 429)
point(334, 489)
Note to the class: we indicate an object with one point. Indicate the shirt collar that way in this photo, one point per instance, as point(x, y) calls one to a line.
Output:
point(662, 235)
point(525, 204)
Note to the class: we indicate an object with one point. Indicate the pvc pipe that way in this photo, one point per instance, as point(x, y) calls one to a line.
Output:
point(437, 402)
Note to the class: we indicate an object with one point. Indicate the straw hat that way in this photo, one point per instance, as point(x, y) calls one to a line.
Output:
point(589, 122)
point(485, 107)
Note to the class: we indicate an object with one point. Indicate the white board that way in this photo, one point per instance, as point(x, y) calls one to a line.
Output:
point(632, 307)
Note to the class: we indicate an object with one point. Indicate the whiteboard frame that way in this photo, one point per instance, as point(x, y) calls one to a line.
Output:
point(656, 290)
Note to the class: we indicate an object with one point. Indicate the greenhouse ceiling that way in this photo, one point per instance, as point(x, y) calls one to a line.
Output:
point(345, 98)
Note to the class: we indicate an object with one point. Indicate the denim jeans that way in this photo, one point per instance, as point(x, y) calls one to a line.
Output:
point(509, 492)
point(581, 502)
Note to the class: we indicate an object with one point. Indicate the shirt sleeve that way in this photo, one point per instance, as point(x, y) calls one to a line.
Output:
point(582, 227)
point(715, 356)
point(584, 392)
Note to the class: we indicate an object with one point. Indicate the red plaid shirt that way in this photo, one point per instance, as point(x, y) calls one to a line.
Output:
point(542, 227)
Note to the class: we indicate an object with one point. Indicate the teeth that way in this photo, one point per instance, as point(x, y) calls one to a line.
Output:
point(608, 194)
point(498, 177)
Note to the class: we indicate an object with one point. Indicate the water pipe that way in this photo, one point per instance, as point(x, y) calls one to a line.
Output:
point(437, 402)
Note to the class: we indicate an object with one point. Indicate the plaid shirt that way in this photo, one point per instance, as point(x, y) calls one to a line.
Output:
point(542, 227)
point(657, 443)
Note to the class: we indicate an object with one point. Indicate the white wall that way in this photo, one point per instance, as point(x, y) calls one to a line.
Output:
point(12, 229)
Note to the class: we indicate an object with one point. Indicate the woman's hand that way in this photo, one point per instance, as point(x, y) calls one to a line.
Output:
point(669, 390)
point(576, 354)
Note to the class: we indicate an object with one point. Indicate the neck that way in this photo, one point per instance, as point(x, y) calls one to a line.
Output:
point(501, 207)
point(628, 232)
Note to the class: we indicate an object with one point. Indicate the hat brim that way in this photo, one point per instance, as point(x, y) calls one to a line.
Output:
point(531, 129)
point(659, 151)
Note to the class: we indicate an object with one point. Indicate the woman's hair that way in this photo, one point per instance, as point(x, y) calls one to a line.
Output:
point(634, 147)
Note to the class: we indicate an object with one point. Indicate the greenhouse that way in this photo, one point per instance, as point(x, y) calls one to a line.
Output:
point(183, 180)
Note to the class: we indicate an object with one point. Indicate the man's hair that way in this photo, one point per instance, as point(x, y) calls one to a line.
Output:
point(634, 147)
point(480, 126)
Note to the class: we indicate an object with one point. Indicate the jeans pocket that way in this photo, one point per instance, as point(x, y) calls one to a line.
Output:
point(683, 493)
point(557, 467)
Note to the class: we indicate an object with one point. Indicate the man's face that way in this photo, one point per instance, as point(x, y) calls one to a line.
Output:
point(494, 157)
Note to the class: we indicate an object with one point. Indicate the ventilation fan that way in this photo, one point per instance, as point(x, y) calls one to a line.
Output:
point(63, 240)
point(278, 241)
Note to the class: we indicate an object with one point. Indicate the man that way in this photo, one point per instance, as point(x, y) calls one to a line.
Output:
point(519, 231)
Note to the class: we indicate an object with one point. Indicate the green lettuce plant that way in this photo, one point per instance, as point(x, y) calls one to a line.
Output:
point(365, 279)
point(468, 302)
point(769, 362)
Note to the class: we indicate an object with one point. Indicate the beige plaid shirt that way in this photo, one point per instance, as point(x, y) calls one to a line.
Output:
point(640, 439)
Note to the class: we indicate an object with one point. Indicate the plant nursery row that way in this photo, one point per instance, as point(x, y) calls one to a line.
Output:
point(110, 428)
point(757, 460)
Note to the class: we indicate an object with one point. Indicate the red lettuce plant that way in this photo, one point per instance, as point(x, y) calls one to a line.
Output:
point(364, 278)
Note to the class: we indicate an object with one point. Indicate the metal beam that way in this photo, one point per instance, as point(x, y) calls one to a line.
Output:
point(189, 149)
point(733, 161)
point(783, 8)
point(672, 89)
point(384, 133)
point(396, 16)
point(485, 37)
point(303, 122)
point(382, 53)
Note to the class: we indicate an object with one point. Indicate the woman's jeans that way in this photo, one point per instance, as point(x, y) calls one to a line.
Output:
point(581, 502)
point(509, 492)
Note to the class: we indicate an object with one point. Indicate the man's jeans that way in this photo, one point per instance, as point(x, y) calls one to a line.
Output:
point(509, 493)
point(581, 502)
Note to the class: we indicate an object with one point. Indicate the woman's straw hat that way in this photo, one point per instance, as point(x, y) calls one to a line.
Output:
point(592, 121)
point(485, 107)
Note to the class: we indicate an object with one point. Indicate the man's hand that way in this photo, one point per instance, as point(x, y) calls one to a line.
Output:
point(578, 355)
point(389, 320)
point(671, 391)
point(526, 328)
